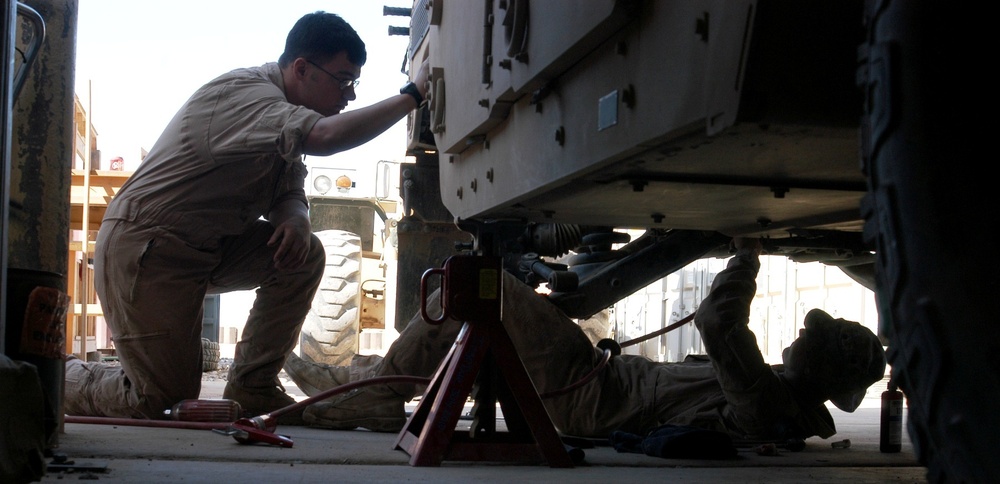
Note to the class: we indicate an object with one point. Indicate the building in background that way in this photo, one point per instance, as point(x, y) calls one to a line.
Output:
point(786, 291)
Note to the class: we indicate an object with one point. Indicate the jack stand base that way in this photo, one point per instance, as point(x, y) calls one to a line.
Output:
point(483, 350)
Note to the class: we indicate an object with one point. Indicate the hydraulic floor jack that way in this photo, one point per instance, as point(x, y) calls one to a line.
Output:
point(484, 364)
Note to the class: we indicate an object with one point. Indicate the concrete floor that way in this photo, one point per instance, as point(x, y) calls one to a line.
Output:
point(120, 453)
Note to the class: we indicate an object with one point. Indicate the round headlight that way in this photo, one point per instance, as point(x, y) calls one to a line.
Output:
point(322, 184)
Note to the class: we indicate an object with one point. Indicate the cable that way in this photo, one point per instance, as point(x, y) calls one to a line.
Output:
point(419, 380)
point(607, 356)
point(682, 322)
point(579, 383)
point(143, 422)
point(180, 424)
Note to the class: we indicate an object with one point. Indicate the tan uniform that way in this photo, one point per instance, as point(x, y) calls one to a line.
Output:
point(189, 223)
point(736, 392)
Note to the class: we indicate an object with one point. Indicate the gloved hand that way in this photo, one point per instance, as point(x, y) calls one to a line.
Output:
point(751, 243)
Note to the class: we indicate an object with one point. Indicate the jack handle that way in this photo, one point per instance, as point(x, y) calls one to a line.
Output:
point(260, 429)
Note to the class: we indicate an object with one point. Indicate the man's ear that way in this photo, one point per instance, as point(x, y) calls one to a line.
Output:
point(298, 67)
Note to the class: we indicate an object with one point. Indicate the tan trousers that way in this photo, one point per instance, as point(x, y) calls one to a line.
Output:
point(152, 286)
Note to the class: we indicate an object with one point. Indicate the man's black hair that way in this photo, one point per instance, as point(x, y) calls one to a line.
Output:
point(319, 36)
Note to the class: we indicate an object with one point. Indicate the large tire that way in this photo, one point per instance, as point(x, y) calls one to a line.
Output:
point(928, 217)
point(209, 355)
point(330, 331)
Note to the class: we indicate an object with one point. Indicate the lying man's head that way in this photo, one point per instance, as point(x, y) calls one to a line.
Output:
point(839, 358)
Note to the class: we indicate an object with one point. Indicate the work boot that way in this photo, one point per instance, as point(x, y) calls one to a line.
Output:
point(376, 408)
point(97, 389)
point(78, 377)
point(315, 378)
point(260, 401)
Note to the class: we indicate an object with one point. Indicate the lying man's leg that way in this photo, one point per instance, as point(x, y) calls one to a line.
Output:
point(314, 378)
point(417, 351)
point(554, 350)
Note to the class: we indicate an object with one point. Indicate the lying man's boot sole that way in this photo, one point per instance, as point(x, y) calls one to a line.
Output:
point(385, 424)
point(378, 409)
point(315, 378)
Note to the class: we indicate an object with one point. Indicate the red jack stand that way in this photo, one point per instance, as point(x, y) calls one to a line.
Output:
point(471, 291)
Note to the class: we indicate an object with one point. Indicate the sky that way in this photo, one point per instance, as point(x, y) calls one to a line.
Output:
point(137, 61)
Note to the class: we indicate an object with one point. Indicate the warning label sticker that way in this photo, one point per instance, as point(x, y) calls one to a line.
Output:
point(44, 330)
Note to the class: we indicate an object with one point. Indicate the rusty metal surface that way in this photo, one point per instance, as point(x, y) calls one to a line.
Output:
point(42, 147)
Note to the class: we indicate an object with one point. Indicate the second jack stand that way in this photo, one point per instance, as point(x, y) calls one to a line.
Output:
point(471, 291)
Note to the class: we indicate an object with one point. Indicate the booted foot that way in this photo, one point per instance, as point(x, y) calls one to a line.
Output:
point(259, 401)
point(314, 378)
point(378, 410)
point(78, 378)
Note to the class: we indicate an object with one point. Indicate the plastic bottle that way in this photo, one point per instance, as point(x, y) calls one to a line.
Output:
point(891, 435)
point(206, 410)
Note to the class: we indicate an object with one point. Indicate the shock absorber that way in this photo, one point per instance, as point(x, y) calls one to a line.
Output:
point(596, 250)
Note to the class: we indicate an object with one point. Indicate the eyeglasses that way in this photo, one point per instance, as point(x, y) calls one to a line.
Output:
point(343, 83)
